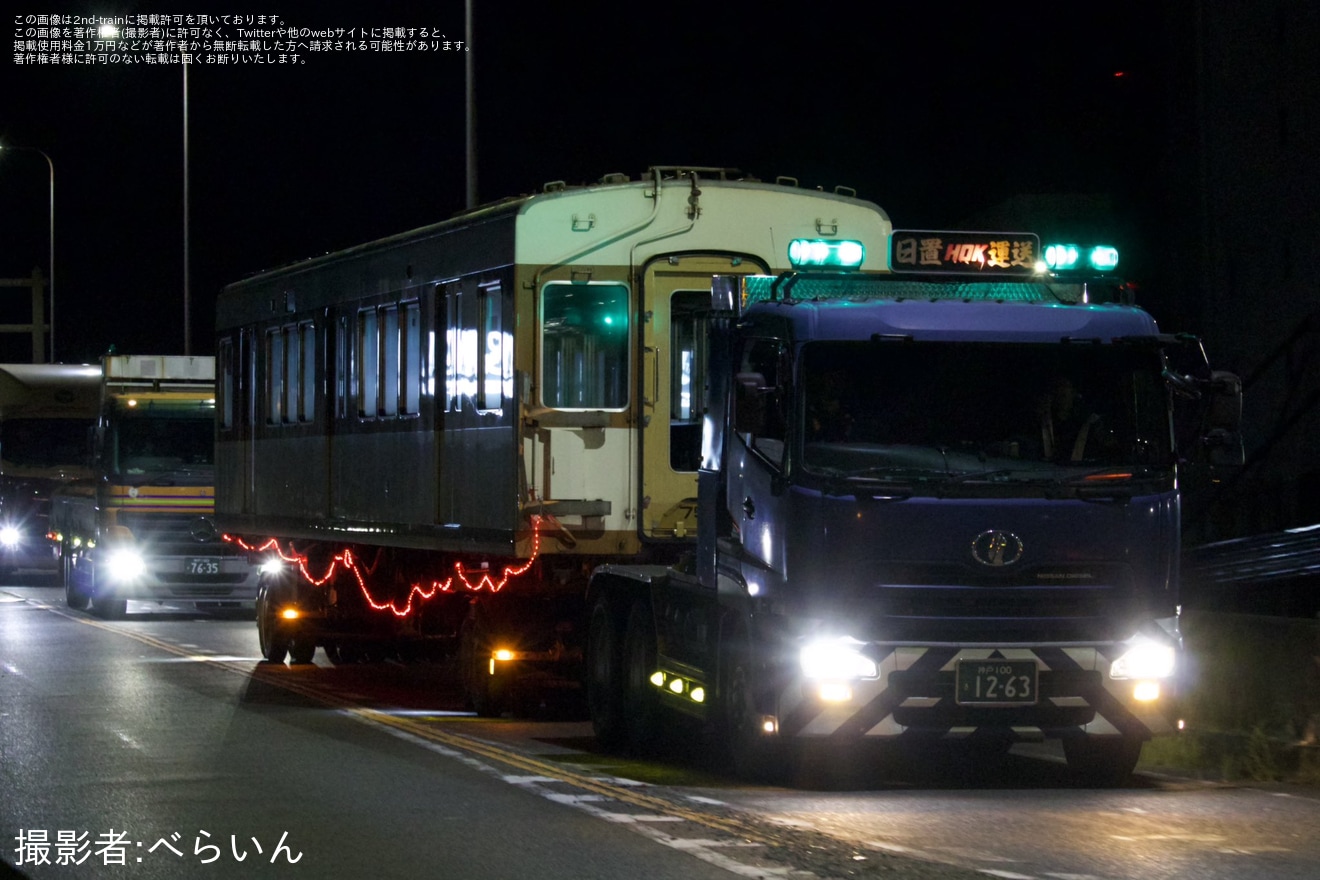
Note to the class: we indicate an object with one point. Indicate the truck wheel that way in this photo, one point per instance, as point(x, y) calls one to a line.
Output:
point(753, 754)
point(641, 709)
point(108, 607)
point(1101, 762)
point(604, 682)
point(73, 597)
point(483, 692)
point(274, 645)
point(301, 650)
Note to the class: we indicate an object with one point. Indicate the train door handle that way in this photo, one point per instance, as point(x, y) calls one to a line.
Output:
point(749, 508)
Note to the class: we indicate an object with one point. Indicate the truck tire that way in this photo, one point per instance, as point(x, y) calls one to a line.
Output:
point(754, 755)
point(301, 650)
point(1101, 762)
point(604, 679)
point(641, 708)
point(105, 605)
point(274, 644)
point(109, 608)
point(73, 597)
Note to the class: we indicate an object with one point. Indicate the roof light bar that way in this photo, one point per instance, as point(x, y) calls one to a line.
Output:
point(1071, 257)
point(815, 253)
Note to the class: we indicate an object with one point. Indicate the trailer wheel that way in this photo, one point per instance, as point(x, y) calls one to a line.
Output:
point(1101, 762)
point(73, 597)
point(604, 682)
point(641, 709)
point(483, 691)
point(274, 645)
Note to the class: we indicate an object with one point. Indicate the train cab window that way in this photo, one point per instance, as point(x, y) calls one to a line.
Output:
point(584, 345)
point(689, 320)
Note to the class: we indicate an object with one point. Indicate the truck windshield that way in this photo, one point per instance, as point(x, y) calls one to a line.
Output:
point(157, 437)
point(43, 443)
point(960, 409)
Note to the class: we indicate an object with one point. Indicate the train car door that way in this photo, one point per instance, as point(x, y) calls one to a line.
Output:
point(676, 308)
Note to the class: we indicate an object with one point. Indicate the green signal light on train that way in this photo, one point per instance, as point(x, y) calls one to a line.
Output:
point(804, 253)
point(1071, 257)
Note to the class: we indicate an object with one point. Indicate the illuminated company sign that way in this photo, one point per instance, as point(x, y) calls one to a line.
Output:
point(963, 253)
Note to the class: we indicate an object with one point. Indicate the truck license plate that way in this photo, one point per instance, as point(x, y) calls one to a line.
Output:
point(997, 682)
point(201, 565)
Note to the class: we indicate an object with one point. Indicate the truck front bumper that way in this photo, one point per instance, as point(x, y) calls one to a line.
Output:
point(918, 695)
point(223, 583)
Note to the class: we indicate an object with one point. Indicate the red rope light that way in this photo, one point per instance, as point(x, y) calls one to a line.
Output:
point(349, 561)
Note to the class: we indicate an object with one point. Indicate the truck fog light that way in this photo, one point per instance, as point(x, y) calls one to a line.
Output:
point(1146, 691)
point(835, 692)
point(769, 724)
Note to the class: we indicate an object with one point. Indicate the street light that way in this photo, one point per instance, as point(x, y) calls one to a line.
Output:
point(51, 277)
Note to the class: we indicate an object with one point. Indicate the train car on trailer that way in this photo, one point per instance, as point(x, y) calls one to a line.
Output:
point(435, 437)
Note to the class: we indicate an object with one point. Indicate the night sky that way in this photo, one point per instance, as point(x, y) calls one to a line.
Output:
point(937, 112)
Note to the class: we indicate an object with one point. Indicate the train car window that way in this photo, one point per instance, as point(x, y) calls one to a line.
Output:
point(292, 379)
point(307, 381)
point(492, 350)
point(225, 387)
point(389, 336)
point(454, 377)
point(274, 389)
point(411, 358)
point(368, 363)
point(344, 391)
point(584, 345)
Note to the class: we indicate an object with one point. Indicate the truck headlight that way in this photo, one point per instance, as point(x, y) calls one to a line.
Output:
point(1145, 659)
point(10, 537)
point(838, 659)
point(125, 565)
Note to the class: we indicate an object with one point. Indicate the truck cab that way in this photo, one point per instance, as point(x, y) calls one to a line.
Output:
point(142, 526)
point(935, 506)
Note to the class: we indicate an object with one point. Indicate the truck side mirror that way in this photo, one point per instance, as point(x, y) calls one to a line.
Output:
point(749, 403)
point(1222, 439)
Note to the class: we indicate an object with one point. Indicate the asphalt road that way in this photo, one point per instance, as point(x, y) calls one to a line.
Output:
point(165, 732)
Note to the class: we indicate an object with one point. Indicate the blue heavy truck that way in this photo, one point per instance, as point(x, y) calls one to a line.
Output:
point(936, 504)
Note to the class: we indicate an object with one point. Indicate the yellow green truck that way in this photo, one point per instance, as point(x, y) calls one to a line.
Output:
point(141, 526)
